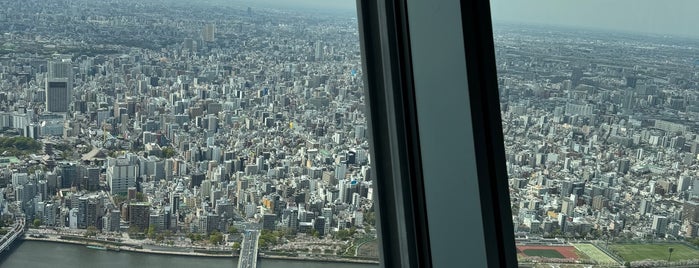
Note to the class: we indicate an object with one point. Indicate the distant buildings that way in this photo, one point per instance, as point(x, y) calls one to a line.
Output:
point(188, 131)
point(208, 33)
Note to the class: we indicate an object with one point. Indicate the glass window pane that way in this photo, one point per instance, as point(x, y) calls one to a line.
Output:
point(599, 110)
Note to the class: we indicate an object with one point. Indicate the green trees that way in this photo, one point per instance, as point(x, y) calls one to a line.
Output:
point(168, 152)
point(19, 145)
point(37, 223)
point(194, 237)
point(133, 230)
point(151, 232)
point(159, 238)
point(216, 238)
point(91, 231)
point(345, 234)
point(236, 246)
point(269, 238)
point(232, 229)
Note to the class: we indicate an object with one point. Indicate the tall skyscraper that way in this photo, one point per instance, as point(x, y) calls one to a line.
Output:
point(208, 33)
point(58, 86)
point(318, 51)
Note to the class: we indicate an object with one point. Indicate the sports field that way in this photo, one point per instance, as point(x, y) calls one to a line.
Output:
point(546, 253)
point(637, 252)
point(554, 252)
point(595, 254)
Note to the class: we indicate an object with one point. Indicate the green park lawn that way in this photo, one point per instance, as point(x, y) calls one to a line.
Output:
point(594, 253)
point(637, 252)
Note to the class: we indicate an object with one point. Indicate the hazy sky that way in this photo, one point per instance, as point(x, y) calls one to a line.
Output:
point(675, 17)
point(334, 5)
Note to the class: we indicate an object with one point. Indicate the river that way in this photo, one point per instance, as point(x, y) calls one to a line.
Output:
point(37, 254)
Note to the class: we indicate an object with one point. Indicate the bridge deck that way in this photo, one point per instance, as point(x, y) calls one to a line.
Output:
point(248, 249)
point(12, 235)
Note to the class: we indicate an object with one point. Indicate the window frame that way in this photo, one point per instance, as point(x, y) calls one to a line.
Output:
point(393, 100)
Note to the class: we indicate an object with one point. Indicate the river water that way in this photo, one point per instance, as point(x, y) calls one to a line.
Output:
point(37, 254)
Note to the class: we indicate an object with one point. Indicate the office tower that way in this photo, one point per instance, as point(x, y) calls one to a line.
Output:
point(208, 33)
point(268, 221)
point(58, 87)
point(188, 44)
point(568, 206)
point(646, 206)
point(631, 81)
point(139, 214)
point(319, 225)
point(659, 225)
point(69, 175)
point(328, 216)
point(318, 51)
point(293, 220)
point(93, 178)
point(93, 213)
point(628, 104)
point(121, 174)
point(683, 183)
point(623, 166)
point(690, 211)
point(174, 203)
point(575, 76)
point(82, 212)
point(110, 221)
point(50, 215)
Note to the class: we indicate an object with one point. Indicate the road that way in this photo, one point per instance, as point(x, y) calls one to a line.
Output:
point(248, 249)
point(16, 231)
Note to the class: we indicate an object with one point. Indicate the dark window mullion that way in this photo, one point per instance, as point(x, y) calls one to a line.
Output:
point(490, 151)
point(393, 135)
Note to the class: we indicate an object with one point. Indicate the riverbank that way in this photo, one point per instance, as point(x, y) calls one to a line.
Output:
point(130, 248)
point(318, 259)
point(190, 253)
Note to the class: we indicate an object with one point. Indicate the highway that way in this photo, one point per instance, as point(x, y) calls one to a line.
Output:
point(248, 249)
point(16, 231)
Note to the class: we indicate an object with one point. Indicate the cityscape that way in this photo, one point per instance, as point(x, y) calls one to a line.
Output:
point(601, 145)
point(238, 135)
point(201, 129)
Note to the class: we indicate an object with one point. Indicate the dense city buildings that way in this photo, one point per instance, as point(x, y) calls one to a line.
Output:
point(169, 124)
point(194, 121)
point(600, 137)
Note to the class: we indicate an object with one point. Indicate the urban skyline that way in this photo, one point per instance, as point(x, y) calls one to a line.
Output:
point(190, 129)
point(235, 130)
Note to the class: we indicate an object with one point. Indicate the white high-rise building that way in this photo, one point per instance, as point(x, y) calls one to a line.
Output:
point(121, 174)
